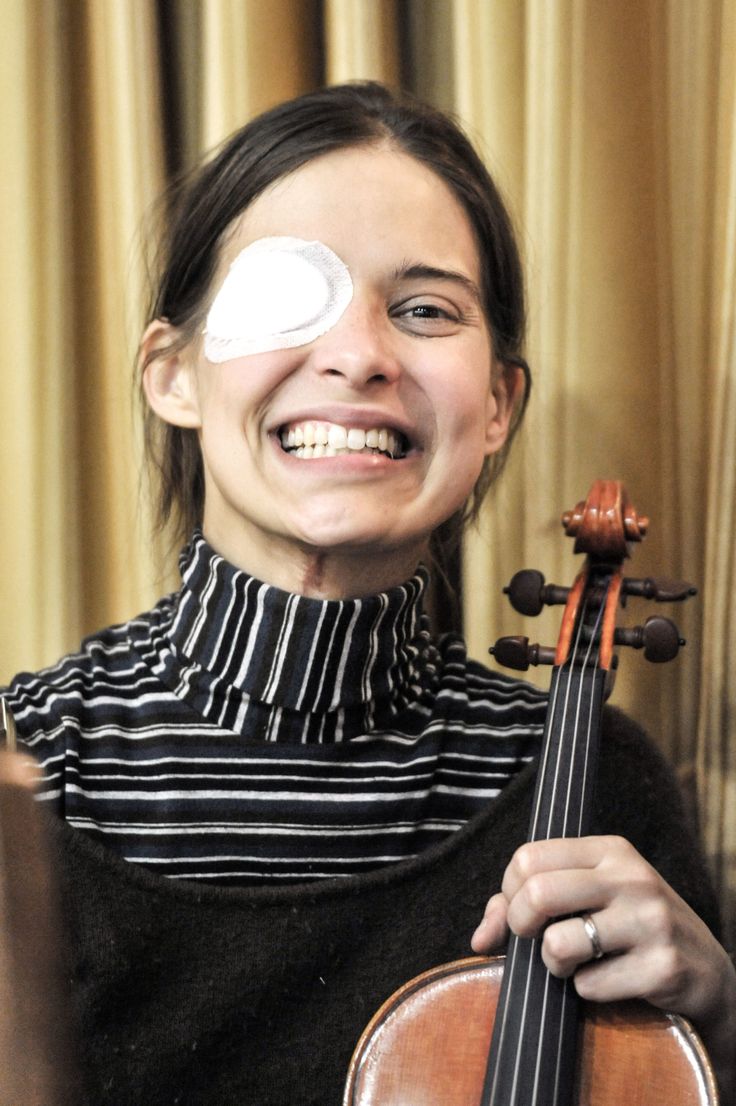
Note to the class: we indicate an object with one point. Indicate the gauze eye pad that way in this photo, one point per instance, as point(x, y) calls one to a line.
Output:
point(278, 293)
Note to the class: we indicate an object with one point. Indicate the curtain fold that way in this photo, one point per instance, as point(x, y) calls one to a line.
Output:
point(361, 40)
point(610, 129)
point(253, 56)
point(117, 165)
point(40, 589)
point(583, 201)
point(717, 716)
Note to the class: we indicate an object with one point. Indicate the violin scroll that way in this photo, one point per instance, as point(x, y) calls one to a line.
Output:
point(604, 526)
point(606, 523)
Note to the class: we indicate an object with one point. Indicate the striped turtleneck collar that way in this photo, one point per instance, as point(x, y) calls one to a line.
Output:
point(350, 662)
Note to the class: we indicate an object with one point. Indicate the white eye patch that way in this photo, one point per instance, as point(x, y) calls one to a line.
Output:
point(278, 293)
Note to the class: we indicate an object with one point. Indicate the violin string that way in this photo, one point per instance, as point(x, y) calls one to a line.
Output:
point(524, 1021)
point(582, 669)
point(512, 967)
point(588, 662)
point(590, 728)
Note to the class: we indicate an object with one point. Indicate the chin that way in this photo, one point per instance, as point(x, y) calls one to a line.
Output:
point(326, 541)
point(339, 538)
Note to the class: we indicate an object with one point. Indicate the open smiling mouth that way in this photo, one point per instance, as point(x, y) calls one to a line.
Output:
point(328, 439)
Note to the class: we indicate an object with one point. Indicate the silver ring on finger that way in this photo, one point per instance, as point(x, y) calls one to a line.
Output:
point(591, 931)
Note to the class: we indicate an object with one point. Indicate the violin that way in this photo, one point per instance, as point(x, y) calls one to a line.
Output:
point(36, 1068)
point(495, 1031)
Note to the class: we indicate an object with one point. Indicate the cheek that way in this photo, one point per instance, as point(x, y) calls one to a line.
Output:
point(232, 394)
point(464, 404)
point(223, 436)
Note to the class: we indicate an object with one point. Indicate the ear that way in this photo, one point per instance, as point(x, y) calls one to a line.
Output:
point(506, 396)
point(168, 377)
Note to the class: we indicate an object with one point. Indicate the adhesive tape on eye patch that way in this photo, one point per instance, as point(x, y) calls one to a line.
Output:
point(279, 293)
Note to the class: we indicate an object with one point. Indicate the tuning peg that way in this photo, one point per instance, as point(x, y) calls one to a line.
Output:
point(658, 637)
point(516, 652)
point(659, 588)
point(528, 592)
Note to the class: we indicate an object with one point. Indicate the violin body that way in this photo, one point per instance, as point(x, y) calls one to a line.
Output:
point(428, 1046)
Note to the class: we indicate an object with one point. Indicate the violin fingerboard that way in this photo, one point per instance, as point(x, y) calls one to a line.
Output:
point(565, 789)
point(532, 1061)
point(534, 1047)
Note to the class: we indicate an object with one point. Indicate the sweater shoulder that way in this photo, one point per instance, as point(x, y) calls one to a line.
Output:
point(106, 660)
point(639, 797)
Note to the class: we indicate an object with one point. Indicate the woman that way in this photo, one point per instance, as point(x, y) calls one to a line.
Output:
point(332, 367)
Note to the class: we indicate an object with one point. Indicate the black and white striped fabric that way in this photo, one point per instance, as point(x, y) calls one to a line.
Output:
point(237, 733)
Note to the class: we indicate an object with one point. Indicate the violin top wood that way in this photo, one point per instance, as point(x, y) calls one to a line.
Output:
point(428, 1046)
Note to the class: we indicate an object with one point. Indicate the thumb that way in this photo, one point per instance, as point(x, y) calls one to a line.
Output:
point(493, 929)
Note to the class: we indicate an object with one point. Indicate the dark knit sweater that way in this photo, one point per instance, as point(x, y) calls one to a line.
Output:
point(211, 996)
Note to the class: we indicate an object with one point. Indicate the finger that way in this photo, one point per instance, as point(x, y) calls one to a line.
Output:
point(558, 854)
point(637, 973)
point(493, 929)
point(697, 985)
point(552, 895)
point(628, 911)
point(566, 944)
point(645, 954)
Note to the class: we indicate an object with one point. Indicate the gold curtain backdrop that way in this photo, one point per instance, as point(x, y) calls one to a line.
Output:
point(611, 128)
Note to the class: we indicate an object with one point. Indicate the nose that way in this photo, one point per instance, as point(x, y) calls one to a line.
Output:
point(358, 348)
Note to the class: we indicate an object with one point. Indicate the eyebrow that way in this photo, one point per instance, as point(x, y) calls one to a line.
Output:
point(420, 271)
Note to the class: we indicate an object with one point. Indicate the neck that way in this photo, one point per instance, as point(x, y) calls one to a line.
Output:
point(350, 573)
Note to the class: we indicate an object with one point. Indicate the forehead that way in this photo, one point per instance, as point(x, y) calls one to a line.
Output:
point(375, 206)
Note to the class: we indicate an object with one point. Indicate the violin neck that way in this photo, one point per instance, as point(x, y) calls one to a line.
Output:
point(565, 790)
point(532, 1058)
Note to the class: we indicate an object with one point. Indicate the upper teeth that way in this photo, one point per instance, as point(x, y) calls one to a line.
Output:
point(325, 439)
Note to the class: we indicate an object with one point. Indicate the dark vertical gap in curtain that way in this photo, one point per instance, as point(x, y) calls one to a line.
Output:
point(407, 58)
point(172, 78)
point(74, 187)
point(84, 235)
point(426, 56)
point(318, 45)
point(417, 24)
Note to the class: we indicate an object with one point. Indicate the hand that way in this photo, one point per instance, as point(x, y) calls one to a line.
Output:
point(655, 947)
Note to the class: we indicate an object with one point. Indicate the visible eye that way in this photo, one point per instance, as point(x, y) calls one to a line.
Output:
point(430, 311)
point(427, 318)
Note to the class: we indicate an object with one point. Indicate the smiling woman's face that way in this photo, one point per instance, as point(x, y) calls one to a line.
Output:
point(409, 357)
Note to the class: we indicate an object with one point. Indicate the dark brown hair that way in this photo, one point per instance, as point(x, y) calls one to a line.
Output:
point(202, 209)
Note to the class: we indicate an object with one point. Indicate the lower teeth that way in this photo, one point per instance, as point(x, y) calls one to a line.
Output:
point(309, 451)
